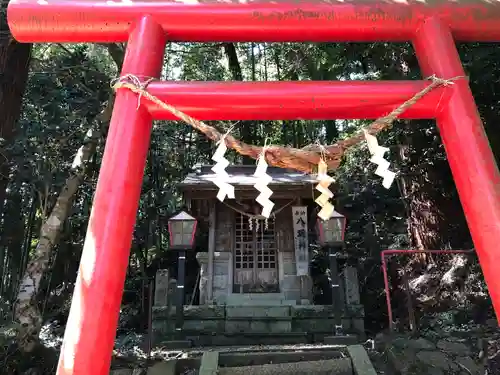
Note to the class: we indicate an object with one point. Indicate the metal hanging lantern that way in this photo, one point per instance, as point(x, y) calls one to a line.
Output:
point(332, 231)
point(182, 230)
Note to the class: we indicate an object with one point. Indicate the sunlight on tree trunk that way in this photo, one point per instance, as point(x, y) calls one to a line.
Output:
point(27, 312)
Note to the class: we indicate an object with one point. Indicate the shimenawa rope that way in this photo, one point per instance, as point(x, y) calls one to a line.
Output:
point(305, 159)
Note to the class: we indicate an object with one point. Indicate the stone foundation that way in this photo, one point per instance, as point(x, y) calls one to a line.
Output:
point(230, 320)
point(285, 314)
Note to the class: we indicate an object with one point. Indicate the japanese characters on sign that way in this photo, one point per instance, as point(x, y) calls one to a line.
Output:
point(300, 239)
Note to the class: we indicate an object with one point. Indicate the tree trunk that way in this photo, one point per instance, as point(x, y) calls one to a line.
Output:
point(14, 65)
point(246, 129)
point(27, 312)
point(12, 240)
point(234, 64)
point(424, 214)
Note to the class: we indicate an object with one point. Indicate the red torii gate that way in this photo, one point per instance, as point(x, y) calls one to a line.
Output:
point(148, 25)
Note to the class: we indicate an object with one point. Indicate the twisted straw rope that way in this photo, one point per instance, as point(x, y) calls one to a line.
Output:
point(305, 159)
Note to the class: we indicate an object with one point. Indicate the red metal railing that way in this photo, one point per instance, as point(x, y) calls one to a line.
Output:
point(386, 253)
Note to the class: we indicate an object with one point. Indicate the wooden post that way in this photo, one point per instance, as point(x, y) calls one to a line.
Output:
point(212, 222)
point(335, 289)
point(181, 275)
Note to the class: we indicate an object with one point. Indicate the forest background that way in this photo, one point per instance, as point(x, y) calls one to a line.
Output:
point(56, 102)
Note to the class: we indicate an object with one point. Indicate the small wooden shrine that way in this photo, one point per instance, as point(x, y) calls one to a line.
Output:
point(255, 273)
point(248, 253)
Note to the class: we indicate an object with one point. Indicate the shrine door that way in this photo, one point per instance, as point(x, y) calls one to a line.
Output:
point(255, 256)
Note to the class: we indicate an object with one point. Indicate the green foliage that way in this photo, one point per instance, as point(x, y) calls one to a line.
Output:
point(69, 85)
point(64, 94)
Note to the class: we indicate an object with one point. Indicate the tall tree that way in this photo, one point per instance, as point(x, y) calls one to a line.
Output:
point(14, 66)
point(247, 132)
point(27, 311)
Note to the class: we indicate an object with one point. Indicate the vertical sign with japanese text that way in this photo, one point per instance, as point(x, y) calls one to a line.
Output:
point(300, 240)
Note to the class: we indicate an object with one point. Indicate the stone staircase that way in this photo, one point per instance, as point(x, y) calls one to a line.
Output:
point(247, 320)
point(271, 360)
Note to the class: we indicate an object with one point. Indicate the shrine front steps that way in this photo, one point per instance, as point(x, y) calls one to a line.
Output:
point(341, 366)
point(197, 339)
point(354, 360)
point(251, 325)
point(269, 360)
point(204, 339)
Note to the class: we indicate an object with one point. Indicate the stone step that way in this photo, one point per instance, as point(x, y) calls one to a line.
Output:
point(263, 302)
point(259, 318)
point(341, 340)
point(252, 325)
point(267, 357)
point(258, 357)
point(248, 338)
point(258, 311)
point(255, 299)
point(302, 349)
point(341, 366)
point(271, 360)
point(268, 296)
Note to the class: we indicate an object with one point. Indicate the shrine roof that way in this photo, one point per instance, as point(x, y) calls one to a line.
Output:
point(241, 176)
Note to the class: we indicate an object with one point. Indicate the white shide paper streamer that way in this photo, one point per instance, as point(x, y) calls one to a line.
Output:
point(377, 158)
point(324, 181)
point(221, 178)
point(263, 179)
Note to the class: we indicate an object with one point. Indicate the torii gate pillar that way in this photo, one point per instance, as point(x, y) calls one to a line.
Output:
point(91, 326)
point(145, 24)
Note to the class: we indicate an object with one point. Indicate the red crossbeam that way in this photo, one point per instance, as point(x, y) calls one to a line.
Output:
point(293, 100)
point(268, 20)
